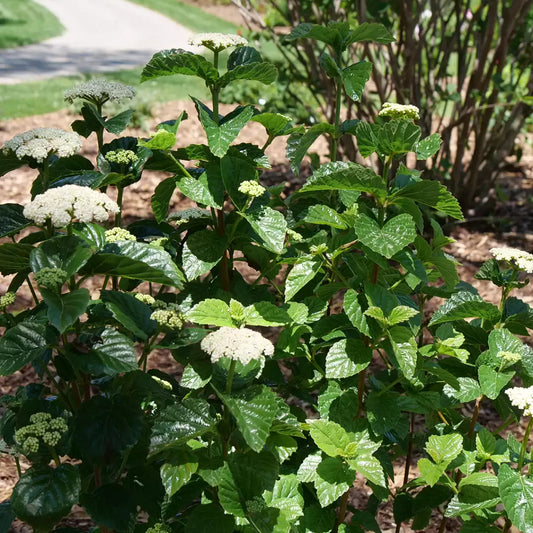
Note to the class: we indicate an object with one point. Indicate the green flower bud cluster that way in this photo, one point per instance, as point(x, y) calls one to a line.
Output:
point(51, 278)
point(251, 188)
point(121, 157)
point(118, 234)
point(158, 528)
point(159, 243)
point(144, 298)
point(294, 235)
point(168, 318)
point(42, 428)
point(163, 382)
point(318, 249)
point(7, 299)
point(510, 357)
point(399, 111)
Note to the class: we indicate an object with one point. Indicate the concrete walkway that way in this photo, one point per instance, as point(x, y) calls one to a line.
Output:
point(101, 35)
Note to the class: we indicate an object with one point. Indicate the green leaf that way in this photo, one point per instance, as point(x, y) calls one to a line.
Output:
point(161, 140)
point(254, 410)
point(516, 492)
point(66, 252)
point(263, 72)
point(347, 358)
point(333, 479)
point(443, 449)
point(302, 273)
point(367, 138)
point(9, 161)
point(43, 495)
point(339, 176)
point(207, 518)
point(400, 314)
point(211, 312)
point(11, 219)
point(329, 35)
point(398, 137)
point(354, 79)
point(104, 427)
point(114, 354)
point(394, 236)
point(221, 135)
point(307, 469)
point(65, 309)
point(465, 304)
point(161, 198)
point(370, 32)
point(178, 423)
point(177, 472)
point(473, 498)
point(355, 313)
point(176, 61)
point(492, 382)
point(298, 144)
point(331, 438)
point(287, 496)
point(430, 472)
point(469, 390)
point(6, 516)
point(118, 123)
point(371, 468)
point(133, 314)
point(201, 252)
point(267, 314)
point(21, 344)
point(322, 214)
point(243, 55)
point(270, 226)
point(202, 190)
point(136, 260)
point(14, 258)
point(429, 146)
point(274, 123)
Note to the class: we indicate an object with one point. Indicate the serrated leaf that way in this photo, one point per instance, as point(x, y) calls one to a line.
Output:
point(333, 479)
point(398, 137)
point(201, 252)
point(326, 34)
point(397, 233)
point(161, 198)
point(243, 55)
point(263, 72)
point(274, 123)
point(202, 190)
point(324, 215)
point(43, 495)
point(354, 79)
point(354, 312)
point(464, 304)
point(21, 344)
point(429, 146)
point(367, 140)
point(176, 61)
point(301, 273)
point(211, 312)
point(370, 32)
point(443, 449)
point(298, 144)
point(307, 469)
point(430, 472)
point(207, 518)
point(516, 492)
point(330, 437)
point(287, 496)
point(117, 124)
point(11, 219)
point(347, 358)
point(492, 382)
point(400, 314)
point(254, 410)
point(268, 314)
point(371, 468)
point(178, 471)
point(136, 260)
point(65, 309)
point(469, 390)
point(14, 258)
point(339, 175)
point(180, 422)
point(270, 226)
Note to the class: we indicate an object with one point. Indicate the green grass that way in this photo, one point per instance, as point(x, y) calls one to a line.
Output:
point(25, 22)
point(189, 16)
point(37, 98)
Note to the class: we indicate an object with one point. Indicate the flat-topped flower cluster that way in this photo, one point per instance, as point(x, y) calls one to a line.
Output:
point(62, 205)
point(217, 41)
point(399, 111)
point(100, 92)
point(514, 256)
point(39, 143)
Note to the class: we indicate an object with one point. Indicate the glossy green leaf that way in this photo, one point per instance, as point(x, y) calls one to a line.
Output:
point(208, 518)
point(287, 496)
point(333, 479)
point(298, 144)
point(516, 492)
point(202, 190)
point(469, 390)
point(201, 252)
point(66, 252)
point(373, 32)
point(65, 309)
point(119, 123)
point(429, 146)
point(43, 495)
point(267, 314)
point(136, 260)
point(211, 312)
point(254, 410)
point(178, 471)
point(354, 79)
point(398, 137)
point(262, 72)
point(104, 427)
point(371, 468)
point(6, 516)
point(443, 449)
point(354, 312)
point(274, 123)
point(464, 304)
point(307, 469)
point(21, 344)
point(492, 382)
point(331, 437)
point(473, 499)
point(160, 140)
point(270, 226)
point(327, 34)
point(180, 422)
point(405, 350)
point(9, 161)
point(324, 215)
point(430, 472)
point(14, 258)
point(329, 65)
point(11, 219)
point(161, 198)
point(397, 233)
point(301, 274)
point(243, 55)
point(347, 358)
point(176, 61)
point(367, 138)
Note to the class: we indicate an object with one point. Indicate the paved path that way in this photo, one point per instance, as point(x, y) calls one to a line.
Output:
point(101, 35)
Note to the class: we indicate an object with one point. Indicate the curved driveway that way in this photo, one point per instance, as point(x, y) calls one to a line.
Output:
point(101, 35)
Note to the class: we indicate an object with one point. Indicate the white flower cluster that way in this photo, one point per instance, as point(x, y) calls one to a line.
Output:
point(118, 234)
point(401, 111)
point(100, 91)
point(251, 188)
point(523, 260)
point(217, 41)
point(64, 204)
point(521, 397)
point(241, 344)
point(39, 143)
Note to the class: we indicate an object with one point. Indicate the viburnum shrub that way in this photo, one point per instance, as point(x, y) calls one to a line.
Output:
point(312, 367)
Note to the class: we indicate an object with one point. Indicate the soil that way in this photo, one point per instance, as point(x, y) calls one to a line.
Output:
point(510, 225)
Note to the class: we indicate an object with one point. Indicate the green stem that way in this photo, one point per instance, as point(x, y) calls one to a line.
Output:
point(342, 511)
point(45, 174)
point(32, 290)
point(17, 463)
point(336, 135)
point(60, 393)
point(231, 373)
point(523, 448)
point(100, 130)
point(118, 216)
point(215, 91)
point(475, 415)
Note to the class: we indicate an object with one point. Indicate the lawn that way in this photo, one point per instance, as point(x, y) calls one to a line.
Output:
point(25, 22)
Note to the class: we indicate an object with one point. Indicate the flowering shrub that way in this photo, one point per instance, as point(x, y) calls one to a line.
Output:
point(319, 365)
